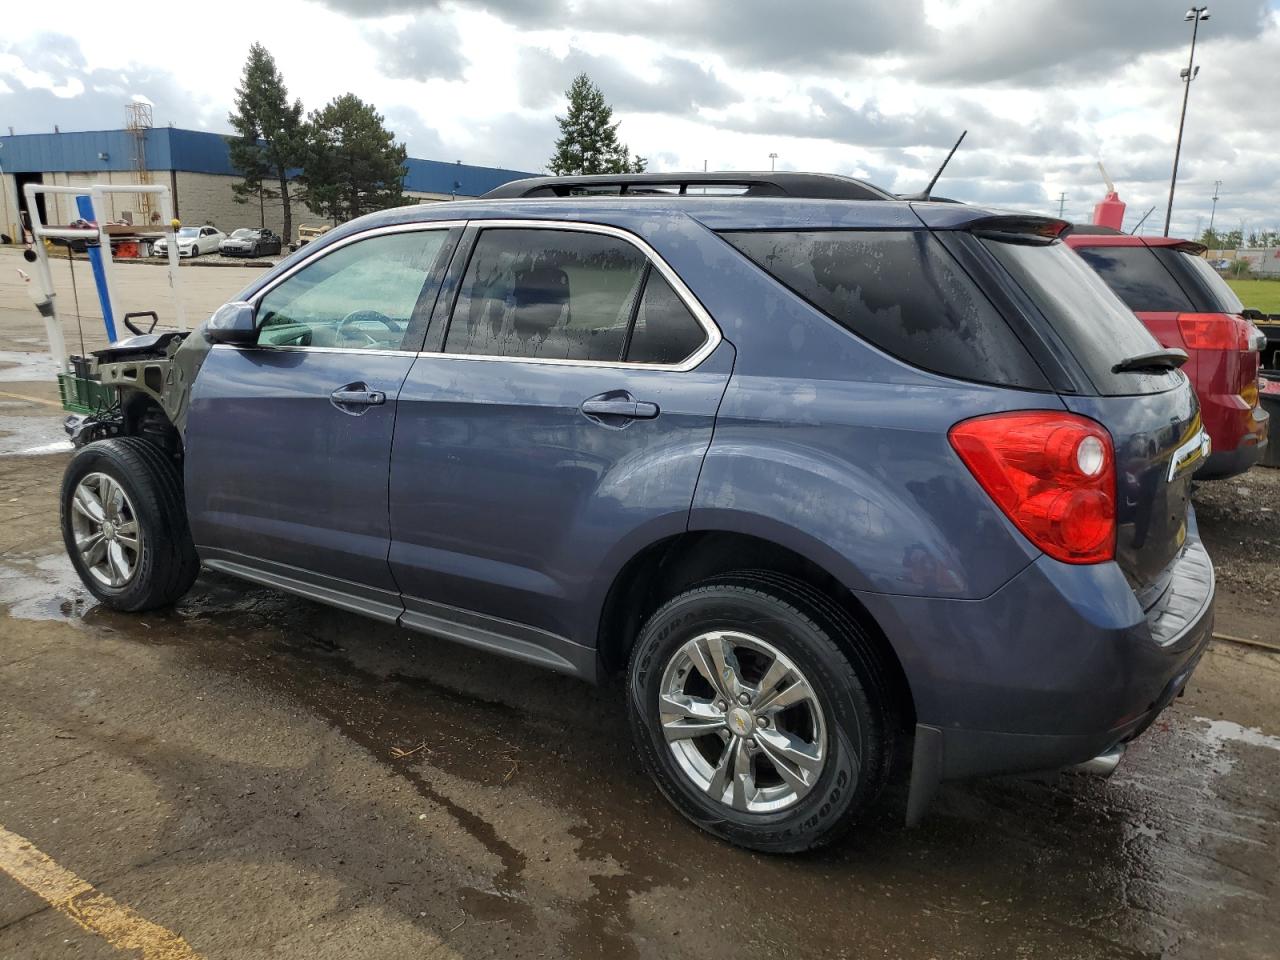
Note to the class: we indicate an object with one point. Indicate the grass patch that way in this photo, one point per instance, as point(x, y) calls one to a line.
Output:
point(1261, 295)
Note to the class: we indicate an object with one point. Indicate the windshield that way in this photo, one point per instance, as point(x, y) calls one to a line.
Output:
point(242, 234)
point(1093, 322)
point(186, 233)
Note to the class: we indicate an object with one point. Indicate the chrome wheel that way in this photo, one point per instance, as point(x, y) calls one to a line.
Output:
point(742, 721)
point(105, 529)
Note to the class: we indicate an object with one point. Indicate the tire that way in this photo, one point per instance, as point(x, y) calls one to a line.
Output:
point(195, 252)
point(851, 712)
point(152, 509)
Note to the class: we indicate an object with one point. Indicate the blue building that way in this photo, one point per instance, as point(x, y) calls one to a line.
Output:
point(196, 166)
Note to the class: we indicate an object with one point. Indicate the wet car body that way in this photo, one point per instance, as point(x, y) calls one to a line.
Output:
point(482, 499)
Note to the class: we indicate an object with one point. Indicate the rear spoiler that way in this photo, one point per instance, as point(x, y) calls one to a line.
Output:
point(943, 216)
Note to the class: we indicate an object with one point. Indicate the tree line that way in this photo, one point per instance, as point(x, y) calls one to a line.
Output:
point(342, 161)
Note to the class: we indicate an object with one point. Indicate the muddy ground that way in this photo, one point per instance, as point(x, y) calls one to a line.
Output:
point(267, 777)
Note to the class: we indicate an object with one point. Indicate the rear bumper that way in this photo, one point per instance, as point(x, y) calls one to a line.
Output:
point(1238, 434)
point(1221, 464)
point(1058, 666)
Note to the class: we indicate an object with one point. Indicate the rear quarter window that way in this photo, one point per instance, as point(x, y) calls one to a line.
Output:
point(901, 291)
point(1138, 278)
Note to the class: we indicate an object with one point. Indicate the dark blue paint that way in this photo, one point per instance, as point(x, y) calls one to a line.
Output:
point(274, 470)
point(505, 500)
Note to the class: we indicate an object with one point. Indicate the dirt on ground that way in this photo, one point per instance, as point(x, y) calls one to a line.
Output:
point(266, 777)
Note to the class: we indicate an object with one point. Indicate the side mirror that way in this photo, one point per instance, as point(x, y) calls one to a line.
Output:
point(232, 323)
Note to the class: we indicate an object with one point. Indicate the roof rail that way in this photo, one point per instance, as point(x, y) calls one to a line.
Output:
point(816, 186)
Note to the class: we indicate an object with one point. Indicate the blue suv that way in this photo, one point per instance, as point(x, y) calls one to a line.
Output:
point(845, 486)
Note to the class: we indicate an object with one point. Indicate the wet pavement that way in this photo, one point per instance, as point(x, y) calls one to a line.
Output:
point(266, 777)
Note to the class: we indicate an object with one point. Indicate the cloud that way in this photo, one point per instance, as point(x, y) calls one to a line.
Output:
point(426, 48)
point(1046, 42)
point(756, 33)
point(46, 80)
point(676, 85)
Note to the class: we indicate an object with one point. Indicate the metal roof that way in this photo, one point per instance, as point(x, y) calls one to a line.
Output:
point(198, 151)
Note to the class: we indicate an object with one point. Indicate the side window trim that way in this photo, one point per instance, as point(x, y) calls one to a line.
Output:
point(422, 311)
point(443, 318)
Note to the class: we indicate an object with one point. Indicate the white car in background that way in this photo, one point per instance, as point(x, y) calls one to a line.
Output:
point(192, 241)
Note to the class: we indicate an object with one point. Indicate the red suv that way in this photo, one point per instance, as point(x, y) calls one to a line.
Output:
point(1185, 304)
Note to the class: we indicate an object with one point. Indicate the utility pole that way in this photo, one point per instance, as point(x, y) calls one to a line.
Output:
point(1195, 15)
point(1213, 211)
point(1062, 203)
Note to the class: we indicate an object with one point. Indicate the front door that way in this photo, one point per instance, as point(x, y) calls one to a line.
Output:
point(288, 441)
point(562, 421)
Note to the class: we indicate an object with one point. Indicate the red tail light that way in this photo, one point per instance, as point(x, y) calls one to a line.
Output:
point(1216, 331)
point(1053, 475)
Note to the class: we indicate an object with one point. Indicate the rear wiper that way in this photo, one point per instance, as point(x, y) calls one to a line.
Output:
point(1156, 360)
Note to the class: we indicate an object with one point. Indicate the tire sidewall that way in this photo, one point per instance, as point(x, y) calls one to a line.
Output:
point(96, 458)
point(840, 697)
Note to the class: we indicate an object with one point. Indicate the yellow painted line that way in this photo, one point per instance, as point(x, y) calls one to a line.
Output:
point(19, 396)
point(116, 923)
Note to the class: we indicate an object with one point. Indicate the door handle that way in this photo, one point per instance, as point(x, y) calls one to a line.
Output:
point(631, 409)
point(357, 395)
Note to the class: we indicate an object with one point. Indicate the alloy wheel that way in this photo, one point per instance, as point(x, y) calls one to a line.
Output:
point(105, 527)
point(742, 721)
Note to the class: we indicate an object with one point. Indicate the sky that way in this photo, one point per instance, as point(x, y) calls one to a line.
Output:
point(874, 89)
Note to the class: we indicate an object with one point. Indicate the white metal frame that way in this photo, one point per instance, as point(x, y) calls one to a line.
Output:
point(96, 194)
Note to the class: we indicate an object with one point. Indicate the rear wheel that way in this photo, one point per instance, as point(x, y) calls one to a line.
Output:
point(752, 718)
point(124, 524)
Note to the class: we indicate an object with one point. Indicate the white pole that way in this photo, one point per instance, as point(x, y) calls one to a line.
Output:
point(52, 326)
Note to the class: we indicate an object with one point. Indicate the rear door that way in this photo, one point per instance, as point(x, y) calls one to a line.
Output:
point(1152, 416)
point(554, 428)
point(289, 441)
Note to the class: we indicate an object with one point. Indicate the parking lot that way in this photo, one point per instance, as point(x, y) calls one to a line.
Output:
point(254, 775)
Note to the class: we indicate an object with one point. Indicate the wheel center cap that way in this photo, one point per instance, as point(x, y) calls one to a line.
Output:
point(740, 721)
point(108, 529)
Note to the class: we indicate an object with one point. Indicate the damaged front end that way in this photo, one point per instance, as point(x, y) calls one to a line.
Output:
point(135, 387)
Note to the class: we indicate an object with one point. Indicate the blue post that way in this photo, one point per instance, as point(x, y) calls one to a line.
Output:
point(85, 207)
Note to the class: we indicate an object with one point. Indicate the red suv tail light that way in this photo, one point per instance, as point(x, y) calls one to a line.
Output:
point(1216, 331)
point(1053, 475)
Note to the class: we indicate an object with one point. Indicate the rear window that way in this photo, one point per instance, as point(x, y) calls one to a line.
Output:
point(902, 292)
point(1097, 327)
point(1209, 292)
point(1138, 278)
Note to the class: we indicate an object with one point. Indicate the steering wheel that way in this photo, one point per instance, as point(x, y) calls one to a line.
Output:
point(365, 316)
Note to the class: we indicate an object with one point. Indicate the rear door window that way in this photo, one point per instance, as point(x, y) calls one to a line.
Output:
point(901, 291)
point(1138, 278)
point(547, 294)
point(1093, 322)
point(665, 331)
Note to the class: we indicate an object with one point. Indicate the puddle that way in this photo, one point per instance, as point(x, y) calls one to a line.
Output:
point(16, 366)
point(32, 436)
point(43, 588)
point(1221, 732)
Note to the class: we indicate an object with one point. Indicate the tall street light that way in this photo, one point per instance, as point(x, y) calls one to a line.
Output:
point(1196, 15)
point(773, 160)
point(1217, 184)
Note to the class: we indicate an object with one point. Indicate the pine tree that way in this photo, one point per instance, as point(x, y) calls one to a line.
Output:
point(353, 165)
point(270, 138)
point(588, 140)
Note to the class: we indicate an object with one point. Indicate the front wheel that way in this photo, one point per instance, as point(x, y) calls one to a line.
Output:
point(761, 711)
point(124, 524)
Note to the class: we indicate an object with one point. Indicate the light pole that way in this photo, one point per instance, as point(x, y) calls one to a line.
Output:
point(1214, 209)
point(773, 160)
point(1196, 15)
